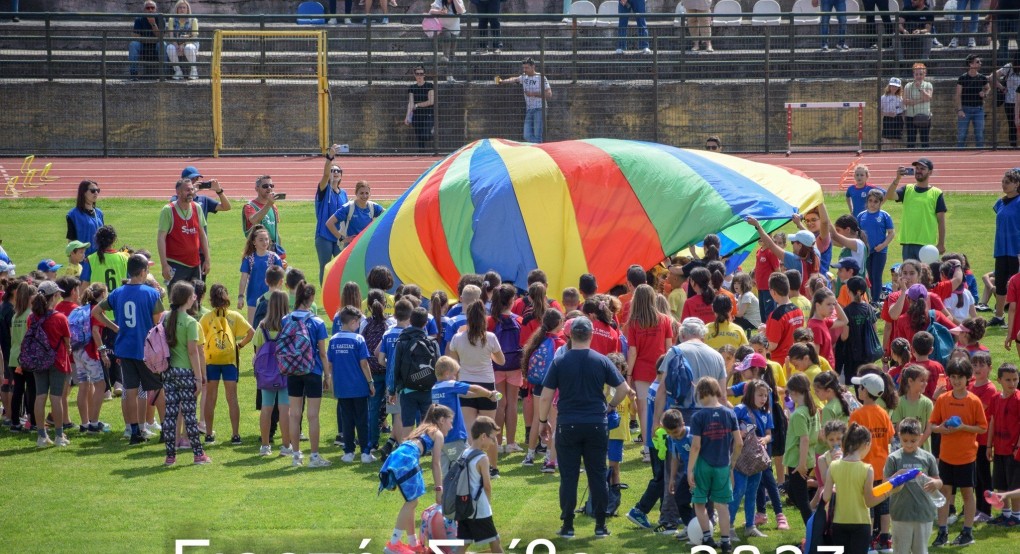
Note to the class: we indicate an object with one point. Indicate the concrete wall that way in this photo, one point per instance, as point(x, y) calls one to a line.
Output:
point(175, 118)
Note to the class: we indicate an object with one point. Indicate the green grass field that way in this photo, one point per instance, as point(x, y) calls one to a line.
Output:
point(99, 495)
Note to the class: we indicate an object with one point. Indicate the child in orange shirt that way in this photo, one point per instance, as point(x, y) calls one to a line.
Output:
point(959, 417)
point(870, 387)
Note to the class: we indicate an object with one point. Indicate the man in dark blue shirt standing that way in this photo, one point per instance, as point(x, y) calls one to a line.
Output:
point(582, 429)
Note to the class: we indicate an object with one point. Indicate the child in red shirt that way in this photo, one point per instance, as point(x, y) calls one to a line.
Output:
point(1004, 434)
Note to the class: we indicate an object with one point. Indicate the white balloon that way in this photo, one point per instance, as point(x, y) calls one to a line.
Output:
point(929, 254)
point(694, 531)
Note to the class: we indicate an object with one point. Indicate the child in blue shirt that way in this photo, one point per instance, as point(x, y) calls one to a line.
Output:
point(384, 353)
point(857, 194)
point(353, 385)
point(666, 446)
point(255, 260)
point(715, 444)
point(877, 225)
point(448, 392)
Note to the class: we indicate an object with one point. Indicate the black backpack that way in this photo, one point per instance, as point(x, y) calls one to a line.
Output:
point(612, 501)
point(422, 357)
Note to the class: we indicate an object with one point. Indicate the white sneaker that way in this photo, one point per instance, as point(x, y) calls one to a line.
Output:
point(954, 43)
point(513, 448)
point(147, 433)
point(154, 426)
point(43, 441)
point(952, 519)
point(501, 449)
point(178, 74)
point(118, 389)
point(619, 50)
point(346, 458)
point(318, 461)
point(297, 459)
point(646, 51)
point(265, 450)
point(332, 21)
point(194, 74)
point(127, 432)
point(286, 451)
point(347, 21)
point(971, 43)
point(367, 458)
point(62, 441)
point(108, 395)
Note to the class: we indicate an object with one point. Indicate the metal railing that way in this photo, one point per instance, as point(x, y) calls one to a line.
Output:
point(670, 94)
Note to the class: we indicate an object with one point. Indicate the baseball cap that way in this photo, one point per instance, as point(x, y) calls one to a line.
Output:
point(857, 284)
point(895, 82)
point(49, 287)
point(895, 268)
point(873, 383)
point(925, 162)
point(48, 265)
point(807, 238)
point(74, 245)
point(752, 360)
point(190, 172)
point(581, 327)
point(849, 263)
point(917, 292)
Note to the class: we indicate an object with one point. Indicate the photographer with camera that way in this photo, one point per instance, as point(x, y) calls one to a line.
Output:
point(924, 209)
point(208, 204)
point(329, 197)
point(262, 211)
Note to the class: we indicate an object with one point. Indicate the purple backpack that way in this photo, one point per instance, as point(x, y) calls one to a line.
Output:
point(267, 372)
point(37, 354)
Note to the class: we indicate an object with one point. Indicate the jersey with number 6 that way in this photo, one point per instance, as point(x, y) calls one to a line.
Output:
point(133, 306)
point(111, 271)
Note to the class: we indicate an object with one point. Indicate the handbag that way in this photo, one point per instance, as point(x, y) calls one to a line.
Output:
point(922, 121)
point(753, 458)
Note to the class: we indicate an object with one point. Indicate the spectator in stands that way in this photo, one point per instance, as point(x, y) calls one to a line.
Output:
point(915, 24)
point(451, 9)
point(892, 114)
point(917, 96)
point(700, 26)
point(181, 237)
point(488, 26)
point(1006, 82)
point(385, 10)
point(421, 96)
point(636, 7)
point(1006, 21)
point(208, 204)
point(348, 8)
point(85, 218)
point(958, 23)
point(840, 7)
point(148, 32)
point(712, 143)
point(536, 92)
point(262, 211)
point(329, 197)
point(971, 89)
point(924, 210)
point(184, 38)
point(883, 8)
point(14, 9)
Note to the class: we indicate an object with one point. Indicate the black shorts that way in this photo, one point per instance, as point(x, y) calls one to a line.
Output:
point(1005, 473)
point(1005, 267)
point(136, 374)
point(483, 404)
point(182, 272)
point(882, 508)
point(477, 531)
point(308, 385)
point(959, 476)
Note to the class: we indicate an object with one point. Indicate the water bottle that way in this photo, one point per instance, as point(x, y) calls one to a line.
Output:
point(935, 496)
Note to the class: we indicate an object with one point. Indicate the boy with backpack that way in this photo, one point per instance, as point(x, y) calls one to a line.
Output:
point(348, 354)
point(386, 354)
point(668, 442)
point(448, 392)
point(467, 489)
point(414, 367)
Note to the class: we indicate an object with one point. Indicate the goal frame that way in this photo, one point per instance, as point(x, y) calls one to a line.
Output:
point(790, 106)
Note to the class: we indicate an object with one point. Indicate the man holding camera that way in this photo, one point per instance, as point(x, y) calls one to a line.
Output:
point(262, 211)
point(181, 239)
point(924, 210)
point(208, 204)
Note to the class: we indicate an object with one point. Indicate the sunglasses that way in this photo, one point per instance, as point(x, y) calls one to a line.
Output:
point(335, 171)
point(268, 186)
point(94, 191)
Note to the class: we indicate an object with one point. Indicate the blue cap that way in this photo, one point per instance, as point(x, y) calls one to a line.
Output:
point(190, 172)
point(48, 265)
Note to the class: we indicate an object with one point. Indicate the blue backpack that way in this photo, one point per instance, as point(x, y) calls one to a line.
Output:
point(943, 340)
point(80, 322)
point(679, 381)
point(540, 361)
point(508, 333)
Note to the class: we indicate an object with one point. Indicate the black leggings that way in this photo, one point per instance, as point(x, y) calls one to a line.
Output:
point(855, 537)
point(23, 397)
point(796, 487)
point(489, 26)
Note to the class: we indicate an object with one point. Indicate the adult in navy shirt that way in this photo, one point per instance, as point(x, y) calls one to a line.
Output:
point(353, 217)
point(136, 308)
point(148, 29)
point(85, 218)
point(328, 199)
point(208, 205)
point(1007, 236)
point(580, 376)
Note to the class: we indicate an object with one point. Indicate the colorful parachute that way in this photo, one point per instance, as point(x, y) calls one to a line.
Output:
point(585, 206)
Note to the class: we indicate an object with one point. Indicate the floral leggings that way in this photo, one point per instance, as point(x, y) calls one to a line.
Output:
point(179, 387)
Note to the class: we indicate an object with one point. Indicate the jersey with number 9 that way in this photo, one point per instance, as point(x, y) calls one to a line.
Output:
point(133, 309)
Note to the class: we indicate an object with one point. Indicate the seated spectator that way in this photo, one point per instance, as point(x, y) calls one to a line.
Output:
point(147, 45)
point(184, 38)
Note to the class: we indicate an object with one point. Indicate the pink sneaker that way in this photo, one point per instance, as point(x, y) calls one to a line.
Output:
point(760, 519)
point(397, 548)
point(781, 523)
point(203, 459)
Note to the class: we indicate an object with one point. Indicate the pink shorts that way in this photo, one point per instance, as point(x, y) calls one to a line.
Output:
point(514, 377)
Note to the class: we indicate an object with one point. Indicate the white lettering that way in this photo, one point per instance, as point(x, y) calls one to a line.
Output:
point(179, 544)
point(436, 544)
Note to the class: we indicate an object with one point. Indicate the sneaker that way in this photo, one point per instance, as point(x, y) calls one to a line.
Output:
point(953, 518)
point(138, 439)
point(647, 52)
point(884, 545)
point(971, 42)
point(982, 517)
point(201, 428)
point(153, 426)
point(941, 539)
point(549, 467)
point(646, 456)
point(634, 427)
point(346, 458)
point(998, 520)
point(665, 529)
point(1011, 522)
point(825, 48)
point(541, 449)
point(235, 440)
point(367, 458)
point(725, 548)
point(286, 451)
point(529, 460)
point(338, 441)
point(565, 532)
point(734, 538)
point(210, 438)
point(43, 442)
point(265, 450)
point(83, 429)
point(781, 522)
point(108, 395)
point(501, 449)
point(874, 47)
point(996, 321)
point(513, 448)
point(386, 450)
point(754, 532)
point(397, 548)
point(637, 517)
point(843, 48)
point(982, 307)
point(963, 539)
point(62, 441)
point(681, 534)
point(99, 427)
point(318, 461)
point(493, 473)
point(760, 519)
point(303, 437)
point(298, 458)
point(178, 74)
point(118, 389)
point(601, 532)
point(873, 549)
point(935, 43)
point(954, 43)
point(170, 460)
point(67, 426)
point(710, 543)
point(202, 459)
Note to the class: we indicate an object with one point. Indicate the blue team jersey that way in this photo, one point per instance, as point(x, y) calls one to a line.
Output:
point(255, 266)
point(875, 226)
point(85, 226)
point(132, 306)
point(346, 351)
point(388, 347)
point(327, 202)
point(361, 219)
point(859, 197)
point(448, 394)
point(450, 326)
point(715, 426)
point(317, 330)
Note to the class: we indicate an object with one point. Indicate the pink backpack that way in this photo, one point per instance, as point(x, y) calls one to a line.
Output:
point(435, 526)
point(156, 353)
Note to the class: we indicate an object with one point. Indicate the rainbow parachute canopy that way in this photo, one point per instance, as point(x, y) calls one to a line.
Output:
point(573, 207)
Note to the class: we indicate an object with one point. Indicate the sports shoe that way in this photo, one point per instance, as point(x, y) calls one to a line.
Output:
point(734, 538)
point(843, 48)
point(725, 548)
point(549, 467)
point(941, 539)
point(286, 451)
point(339, 441)
point(529, 460)
point(998, 520)
point(318, 461)
point(298, 458)
point(873, 549)
point(346, 458)
point(781, 523)
point(138, 439)
point(303, 437)
point(971, 42)
point(954, 43)
point(397, 548)
point(618, 51)
point(884, 544)
point(154, 426)
point(203, 459)
point(647, 52)
point(982, 517)
point(493, 473)
point(43, 441)
point(760, 519)
point(997, 321)
point(98, 427)
point(386, 450)
point(963, 539)
point(646, 456)
point(210, 438)
point(681, 534)
point(754, 532)
point(513, 448)
point(825, 48)
point(565, 532)
point(1011, 522)
point(118, 389)
point(235, 440)
point(108, 395)
point(637, 517)
point(265, 450)
point(935, 43)
point(601, 532)
point(62, 441)
point(170, 460)
point(367, 458)
point(982, 307)
point(82, 428)
point(665, 529)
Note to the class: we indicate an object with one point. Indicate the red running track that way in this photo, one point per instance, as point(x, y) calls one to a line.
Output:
point(955, 171)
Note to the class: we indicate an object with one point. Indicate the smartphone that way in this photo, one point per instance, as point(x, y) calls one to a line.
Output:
point(281, 196)
point(205, 185)
point(908, 170)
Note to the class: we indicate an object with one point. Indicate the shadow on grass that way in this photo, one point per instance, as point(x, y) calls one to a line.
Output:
point(27, 449)
point(145, 471)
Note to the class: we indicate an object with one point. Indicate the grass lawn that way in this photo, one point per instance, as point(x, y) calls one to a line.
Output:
point(99, 495)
